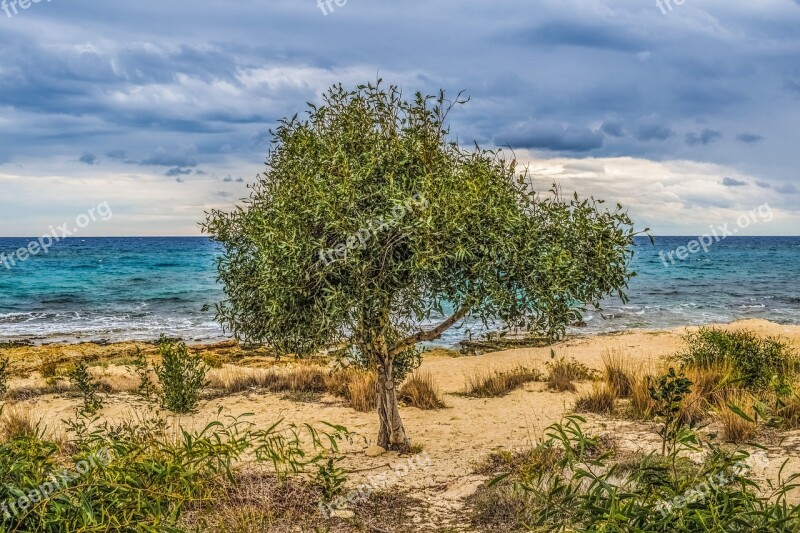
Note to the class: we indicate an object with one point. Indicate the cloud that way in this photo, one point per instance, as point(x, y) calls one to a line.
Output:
point(732, 182)
point(764, 184)
point(787, 188)
point(653, 132)
point(178, 171)
point(150, 92)
point(705, 137)
point(89, 158)
point(750, 138)
point(583, 34)
point(550, 136)
point(613, 129)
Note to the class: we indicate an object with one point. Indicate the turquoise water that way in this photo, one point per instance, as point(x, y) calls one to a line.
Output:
point(137, 288)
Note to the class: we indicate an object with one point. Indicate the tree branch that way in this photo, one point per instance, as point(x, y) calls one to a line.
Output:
point(430, 335)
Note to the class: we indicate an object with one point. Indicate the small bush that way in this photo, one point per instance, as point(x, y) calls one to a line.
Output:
point(421, 391)
point(182, 377)
point(88, 389)
point(755, 361)
point(494, 383)
point(563, 372)
point(599, 400)
point(49, 368)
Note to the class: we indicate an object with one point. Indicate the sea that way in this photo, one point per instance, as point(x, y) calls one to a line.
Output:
point(114, 289)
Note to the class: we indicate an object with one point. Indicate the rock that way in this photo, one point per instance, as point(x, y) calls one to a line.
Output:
point(374, 451)
point(343, 513)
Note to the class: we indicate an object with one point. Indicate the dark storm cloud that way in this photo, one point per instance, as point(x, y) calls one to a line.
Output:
point(550, 137)
point(653, 132)
point(184, 84)
point(750, 138)
point(88, 158)
point(704, 137)
point(733, 182)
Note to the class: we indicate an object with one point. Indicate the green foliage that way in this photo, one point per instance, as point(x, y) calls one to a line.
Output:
point(182, 377)
point(4, 374)
point(668, 393)
point(369, 220)
point(571, 482)
point(466, 231)
point(150, 478)
point(86, 386)
point(147, 388)
point(330, 478)
point(755, 360)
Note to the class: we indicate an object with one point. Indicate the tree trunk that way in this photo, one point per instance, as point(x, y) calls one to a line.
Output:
point(392, 435)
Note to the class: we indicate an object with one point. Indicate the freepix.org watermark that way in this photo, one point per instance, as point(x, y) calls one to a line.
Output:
point(762, 213)
point(43, 244)
point(712, 484)
point(12, 7)
point(377, 482)
point(57, 482)
point(327, 5)
point(668, 3)
point(360, 239)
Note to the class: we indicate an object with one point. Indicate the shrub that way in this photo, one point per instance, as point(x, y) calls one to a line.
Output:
point(755, 361)
point(421, 391)
point(147, 386)
point(88, 389)
point(49, 368)
point(182, 377)
point(599, 400)
point(494, 383)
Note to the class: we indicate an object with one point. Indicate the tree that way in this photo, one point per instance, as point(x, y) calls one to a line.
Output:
point(369, 221)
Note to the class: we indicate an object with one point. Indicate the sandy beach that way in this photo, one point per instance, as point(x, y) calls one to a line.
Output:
point(457, 439)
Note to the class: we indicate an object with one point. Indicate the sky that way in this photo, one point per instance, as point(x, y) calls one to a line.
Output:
point(685, 114)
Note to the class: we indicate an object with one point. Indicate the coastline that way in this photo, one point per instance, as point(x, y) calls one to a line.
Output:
point(26, 356)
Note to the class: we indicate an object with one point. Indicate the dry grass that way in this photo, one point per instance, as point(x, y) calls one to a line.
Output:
point(421, 391)
point(301, 383)
point(735, 428)
point(362, 391)
point(619, 373)
point(486, 383)
point(598, 400)
point(303, 378)
point(789, 411)
point(114, 378)
point(641, 405)
point(564, 371)
point(16, 422)
point(712, 383)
